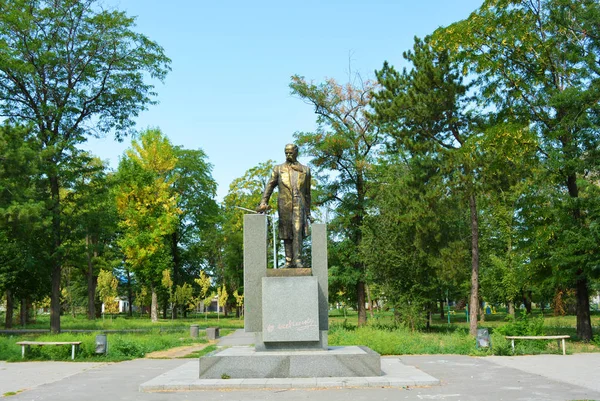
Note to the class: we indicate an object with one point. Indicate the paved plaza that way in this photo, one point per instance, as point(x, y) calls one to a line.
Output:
point(540, 377)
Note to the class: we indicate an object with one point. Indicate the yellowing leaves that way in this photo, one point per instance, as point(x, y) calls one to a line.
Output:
point(146, 201)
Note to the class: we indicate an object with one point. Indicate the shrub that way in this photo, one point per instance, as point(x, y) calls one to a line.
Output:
point(522, 326)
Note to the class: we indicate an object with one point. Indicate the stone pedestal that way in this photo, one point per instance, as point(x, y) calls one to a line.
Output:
point(247, 363)
point(290, 309)
point(287, 310)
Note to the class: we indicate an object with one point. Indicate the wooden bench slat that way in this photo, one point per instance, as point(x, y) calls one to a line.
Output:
point(27, 344)
point(561, 338)
point(538, 337)
point(49, 343)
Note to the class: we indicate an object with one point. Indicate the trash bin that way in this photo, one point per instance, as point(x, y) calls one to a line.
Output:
point(101, 344)
point(194, 331)
point(483, 338)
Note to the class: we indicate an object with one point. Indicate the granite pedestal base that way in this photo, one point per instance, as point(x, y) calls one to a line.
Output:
point(247, 363)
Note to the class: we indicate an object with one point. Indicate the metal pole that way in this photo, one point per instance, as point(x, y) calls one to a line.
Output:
point(274, 245)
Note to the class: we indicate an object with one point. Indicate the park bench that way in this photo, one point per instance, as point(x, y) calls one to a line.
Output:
point(560, 339)
point(27, 344)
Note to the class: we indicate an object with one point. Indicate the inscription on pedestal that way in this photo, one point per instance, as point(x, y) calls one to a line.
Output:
point(290, 309)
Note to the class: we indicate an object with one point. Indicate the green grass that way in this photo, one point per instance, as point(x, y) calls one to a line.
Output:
point(400, 341)
point(381, 334)
point(202, 352)
point(123, 322)
point(121, 347)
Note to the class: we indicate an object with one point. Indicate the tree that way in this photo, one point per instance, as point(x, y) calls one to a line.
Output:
point(24, 220)
point(412, 239)
point(91, 223)
point(68, 69)
point(191, 242)
point(184, 295)
point(167, 283)
point(426, 110)
point(204, 282)
point(147, 207)
point(107, 290)
point(345, 144)
point(222, 296)
point(239, 300)
point(544, 72)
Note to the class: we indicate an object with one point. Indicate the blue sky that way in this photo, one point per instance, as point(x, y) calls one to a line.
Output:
point(228, 91)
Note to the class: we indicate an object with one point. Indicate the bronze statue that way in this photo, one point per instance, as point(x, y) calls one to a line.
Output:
point(293, 204)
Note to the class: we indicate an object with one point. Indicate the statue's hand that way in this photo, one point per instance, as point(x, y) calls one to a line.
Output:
point(262, 208)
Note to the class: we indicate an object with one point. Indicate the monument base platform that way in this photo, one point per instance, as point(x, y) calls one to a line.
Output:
point(395, 374)
point(246, 363)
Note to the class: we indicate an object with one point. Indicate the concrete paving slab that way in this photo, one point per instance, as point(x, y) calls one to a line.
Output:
point(20, 376)
point(238, 337)
point(557, 367)
point(461, 378)
point(396, 374)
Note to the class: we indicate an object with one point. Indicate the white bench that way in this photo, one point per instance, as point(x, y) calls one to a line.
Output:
point(26, 344)
point(560, 339)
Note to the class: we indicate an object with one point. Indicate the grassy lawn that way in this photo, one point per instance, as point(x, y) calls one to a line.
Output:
point(123, 322)
point(122, 345)
point(381, 334)
point(384, 336)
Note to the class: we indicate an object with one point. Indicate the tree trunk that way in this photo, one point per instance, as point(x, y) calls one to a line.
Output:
point(442, 309)
point(154, 306)
point(511, 308)
point(176, 266)
point(23, 314)
point(474, 302)
point(527, 302)
point(92, 280)
point(8, 321)
point(360, 295)
point(56, 259)
point(481, 313)
point(584, 323)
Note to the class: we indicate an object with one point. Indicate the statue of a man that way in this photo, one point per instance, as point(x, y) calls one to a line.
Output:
point(293, 204)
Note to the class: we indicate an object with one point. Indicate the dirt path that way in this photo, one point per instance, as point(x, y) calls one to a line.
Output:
point(178, 352)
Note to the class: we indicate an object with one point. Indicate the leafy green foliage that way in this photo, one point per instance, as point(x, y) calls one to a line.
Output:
point(543, 73)
point(427, 113)
point(403, 341)
point(246, 192)
point(343, 149)
point(147, 207)
point(524, 325)
point(70, 69)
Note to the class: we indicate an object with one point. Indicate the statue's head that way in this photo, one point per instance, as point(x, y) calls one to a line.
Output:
point(291, 153)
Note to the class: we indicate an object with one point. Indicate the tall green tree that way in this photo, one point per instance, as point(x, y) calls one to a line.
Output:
point(426, 111)
point(343, 148)
point(71, 69)
point(543, 71)
point(147, 207)
point(90, 241)
point(191, 241)
point(24, 220)
point(413, 242)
